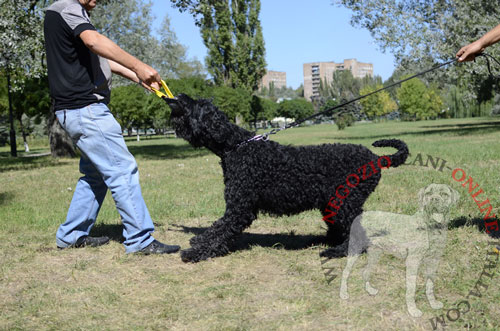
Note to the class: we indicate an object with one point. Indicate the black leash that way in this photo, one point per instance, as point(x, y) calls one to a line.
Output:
point(488, 64)
point(265, 136)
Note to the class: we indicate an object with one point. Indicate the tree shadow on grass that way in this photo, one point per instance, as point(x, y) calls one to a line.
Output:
point(5, 197)
point(448, 129)
point(246, 240)
point(464, 125)
point(28, 163)
point(167, 152)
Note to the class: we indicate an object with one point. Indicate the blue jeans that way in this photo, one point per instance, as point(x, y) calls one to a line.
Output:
point(105, 163)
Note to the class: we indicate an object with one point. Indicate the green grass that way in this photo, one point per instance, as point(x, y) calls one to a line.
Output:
point(274, 281)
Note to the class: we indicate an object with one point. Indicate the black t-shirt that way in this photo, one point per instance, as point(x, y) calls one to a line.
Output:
point(77, 76)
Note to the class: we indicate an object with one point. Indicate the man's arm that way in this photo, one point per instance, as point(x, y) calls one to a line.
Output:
point(124, 63)
point(469, 52)
point(126, 73)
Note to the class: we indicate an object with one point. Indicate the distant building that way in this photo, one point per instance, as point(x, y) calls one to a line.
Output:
point(276, 77)
point(316, 72)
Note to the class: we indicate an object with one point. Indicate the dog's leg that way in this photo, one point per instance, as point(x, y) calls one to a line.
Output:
point(338, 237)
point(357, 244)
point(339, 232)
point(351, 259)
point(431, 266)
point(429, 290)
point(373, 257)
point(217, 239)
point(431, 262)
point(412, 264)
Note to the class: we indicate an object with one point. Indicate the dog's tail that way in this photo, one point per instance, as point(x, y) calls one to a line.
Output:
point(401, 155)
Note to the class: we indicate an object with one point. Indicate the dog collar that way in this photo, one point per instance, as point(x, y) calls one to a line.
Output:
point(263, 137)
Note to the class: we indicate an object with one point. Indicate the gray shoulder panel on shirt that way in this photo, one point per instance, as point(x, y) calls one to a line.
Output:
point(71, 11)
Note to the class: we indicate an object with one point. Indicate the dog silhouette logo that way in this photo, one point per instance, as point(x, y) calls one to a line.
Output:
point(419, 239)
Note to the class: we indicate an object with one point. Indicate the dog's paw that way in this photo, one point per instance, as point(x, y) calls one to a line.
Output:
point(344, 295)
point(189, 255)
point(415, 312)
point(436, 304)
point(370, 289)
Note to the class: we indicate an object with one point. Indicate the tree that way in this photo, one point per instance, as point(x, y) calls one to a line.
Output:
point(128, 23)
point(269, 109)
point(21, 51)
point(22, 57)
point(159, 113)
point(423, 33)
point(129, 105)
point(296, 109)
point(22, 43)
point(196, 87)
point(377, 104)
point(417, 101)
point(31, 102)
point(256, 110)
point(282, 92)
point(344, 116)
point(343, 85)
point(232, 33)
point(234, 102)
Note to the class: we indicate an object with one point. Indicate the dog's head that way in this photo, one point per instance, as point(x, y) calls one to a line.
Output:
point(185, 117)
point(202, 124)
point(437, 199)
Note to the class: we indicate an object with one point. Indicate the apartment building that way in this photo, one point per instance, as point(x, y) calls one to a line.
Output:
point(276, 77)
point(316, 72)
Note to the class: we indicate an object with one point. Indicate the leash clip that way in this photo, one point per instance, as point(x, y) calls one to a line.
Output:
point(259, 137)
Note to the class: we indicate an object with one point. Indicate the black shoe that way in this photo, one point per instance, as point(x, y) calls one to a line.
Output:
point(88, 241)
point(91, 241)
point(157, 247)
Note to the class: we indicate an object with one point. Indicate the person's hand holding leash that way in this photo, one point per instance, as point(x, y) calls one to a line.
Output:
point(470, 51)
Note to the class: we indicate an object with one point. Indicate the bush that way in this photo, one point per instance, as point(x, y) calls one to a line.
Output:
point(344, 120)
point(349, 118)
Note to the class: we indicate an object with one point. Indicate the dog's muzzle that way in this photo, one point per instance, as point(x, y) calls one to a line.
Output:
point(175, 105)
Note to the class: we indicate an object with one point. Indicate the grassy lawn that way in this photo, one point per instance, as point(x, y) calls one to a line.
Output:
point(274, 281)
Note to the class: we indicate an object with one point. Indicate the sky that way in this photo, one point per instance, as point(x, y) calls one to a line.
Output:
point(295, 32)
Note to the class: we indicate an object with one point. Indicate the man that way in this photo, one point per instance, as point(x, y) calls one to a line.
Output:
point(80, 62)
point(469, 52)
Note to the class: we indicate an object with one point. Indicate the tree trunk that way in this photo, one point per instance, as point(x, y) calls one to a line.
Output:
point(61, 144)
point(25, 141)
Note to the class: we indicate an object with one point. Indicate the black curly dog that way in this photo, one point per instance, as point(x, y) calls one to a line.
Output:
point(264, 176)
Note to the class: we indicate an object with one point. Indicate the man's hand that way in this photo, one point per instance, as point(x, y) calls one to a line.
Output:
point(148, 75)
point(469, 52)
